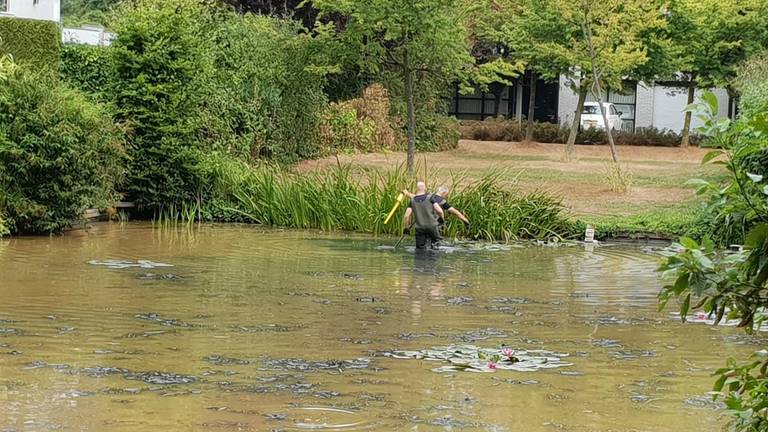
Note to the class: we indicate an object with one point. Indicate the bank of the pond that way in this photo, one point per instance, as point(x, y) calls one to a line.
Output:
point(659, 204)
point(358, 199)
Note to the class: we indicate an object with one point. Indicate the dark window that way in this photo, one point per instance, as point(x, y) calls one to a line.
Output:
point(591, 109)
point(3, 5)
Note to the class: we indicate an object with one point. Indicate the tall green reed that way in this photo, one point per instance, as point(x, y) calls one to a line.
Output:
point(358, 199)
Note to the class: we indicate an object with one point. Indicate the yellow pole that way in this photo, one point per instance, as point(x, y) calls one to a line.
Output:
point(394, 208)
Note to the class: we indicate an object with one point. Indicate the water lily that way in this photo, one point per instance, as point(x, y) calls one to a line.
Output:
point(508, 352)
point(491, 365)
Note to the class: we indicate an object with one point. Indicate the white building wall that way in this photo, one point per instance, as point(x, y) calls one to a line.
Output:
point(88, 35)
point(566, 103)
point(644, 103)
point(656, 106)
point(47, 10)
point(669, 104)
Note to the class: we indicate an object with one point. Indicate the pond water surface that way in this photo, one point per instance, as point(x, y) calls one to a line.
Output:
point(250, 329)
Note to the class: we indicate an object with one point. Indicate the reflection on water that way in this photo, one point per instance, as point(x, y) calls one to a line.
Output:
point(259, 330)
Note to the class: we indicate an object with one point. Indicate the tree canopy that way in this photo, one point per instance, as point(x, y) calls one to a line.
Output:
point(412, 38)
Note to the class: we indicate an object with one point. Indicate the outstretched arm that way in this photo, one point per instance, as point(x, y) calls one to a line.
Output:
point(407, 218)
point(458, 214)
point(438, 210)
point(408, 194)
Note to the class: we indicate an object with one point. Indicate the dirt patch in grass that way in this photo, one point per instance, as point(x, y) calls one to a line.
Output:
point(659, 173)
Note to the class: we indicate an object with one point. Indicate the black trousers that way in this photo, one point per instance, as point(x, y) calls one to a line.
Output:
point(426, 236)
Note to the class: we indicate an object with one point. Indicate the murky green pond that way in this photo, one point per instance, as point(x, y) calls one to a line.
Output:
point(270, 330)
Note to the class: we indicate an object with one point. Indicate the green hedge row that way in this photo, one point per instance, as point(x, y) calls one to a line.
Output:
point(34, 43)
point(86, 67)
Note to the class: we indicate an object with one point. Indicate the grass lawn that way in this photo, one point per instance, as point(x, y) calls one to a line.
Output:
point(658, 202)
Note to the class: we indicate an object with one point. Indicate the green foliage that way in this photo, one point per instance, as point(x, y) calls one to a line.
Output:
point(732, 285)
point(161, 67)
point(77, 12)
point(265, 96)
point(360, 124)
point(501, 213)
point(87, 67)
point(59, 154)
point(437, 133)
point(659, 224)
point(34, 43)
point(188, 77)
point(752, 84)
point(343, 130)
point(416, 41)
point(343, 198)
point(714, 37)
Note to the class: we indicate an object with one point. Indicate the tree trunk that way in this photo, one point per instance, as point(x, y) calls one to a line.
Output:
point(608, 131)
point(531, 109)
point(411, 114)
point(686, 141)
point(596, 85)
point(497, 89)
point(570, 149)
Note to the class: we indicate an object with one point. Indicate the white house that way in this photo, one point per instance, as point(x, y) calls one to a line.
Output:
point(642, 105)
point(48, 10)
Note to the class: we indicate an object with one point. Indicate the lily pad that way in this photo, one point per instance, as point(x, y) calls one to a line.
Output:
point(472, 358)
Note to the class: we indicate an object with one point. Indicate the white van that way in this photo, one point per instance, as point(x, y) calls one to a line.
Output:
point(591, 117)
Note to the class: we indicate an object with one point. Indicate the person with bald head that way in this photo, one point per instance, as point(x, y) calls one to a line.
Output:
point(426, 213)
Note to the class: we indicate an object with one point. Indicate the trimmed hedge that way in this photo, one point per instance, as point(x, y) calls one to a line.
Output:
point(86, 67)
point(34, 43)
point(510, 130)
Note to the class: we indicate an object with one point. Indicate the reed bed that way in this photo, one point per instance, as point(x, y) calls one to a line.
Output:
point(355, 199)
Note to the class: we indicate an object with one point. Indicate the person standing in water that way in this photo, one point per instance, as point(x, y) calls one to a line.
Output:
point(427, 214)
point(439, 198)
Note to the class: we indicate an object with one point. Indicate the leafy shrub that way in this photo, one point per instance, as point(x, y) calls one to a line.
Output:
point(730, 285)
point(267, 89)
point(651, 136)
point(161, 66)
point(59, 154)
point(190, 78)
point(87, 67)
point(549, 133)
point(374, 105)
point(35, 43)
point(591, 136)
point(435, 132)
point(361, 124)
point(342, 129)
point(492, 129)
point(264, 98)
point(77, 12)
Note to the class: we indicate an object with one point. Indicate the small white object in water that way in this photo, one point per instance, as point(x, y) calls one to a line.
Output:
point(589, 234)
point(121, 264)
